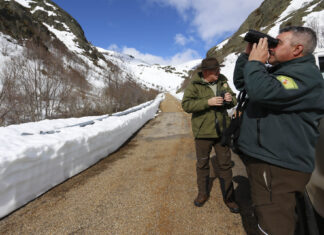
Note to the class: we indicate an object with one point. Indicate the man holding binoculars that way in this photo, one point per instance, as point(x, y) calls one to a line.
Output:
point(280, 123)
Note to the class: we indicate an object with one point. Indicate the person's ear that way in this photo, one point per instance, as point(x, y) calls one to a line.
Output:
point(298, 50)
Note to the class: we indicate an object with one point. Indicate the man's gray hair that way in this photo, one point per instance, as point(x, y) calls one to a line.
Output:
point(304, 36)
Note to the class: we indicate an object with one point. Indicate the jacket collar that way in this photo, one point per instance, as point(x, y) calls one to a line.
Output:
point(197, 79)
point(307, 58)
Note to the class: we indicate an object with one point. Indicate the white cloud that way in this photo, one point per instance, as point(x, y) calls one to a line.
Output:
point(113, 47)
point(149, 58)
point(182, 40)
point(181, 5)
point(179, 58)
point(184, 56)
point(212, 18)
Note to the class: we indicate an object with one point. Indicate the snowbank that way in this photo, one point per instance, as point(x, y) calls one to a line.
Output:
point(32, 163)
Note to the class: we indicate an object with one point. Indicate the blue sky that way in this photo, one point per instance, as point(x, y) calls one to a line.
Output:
point(159, 31)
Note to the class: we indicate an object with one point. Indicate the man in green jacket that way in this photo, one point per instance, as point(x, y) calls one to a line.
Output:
point(280, 124)
point(208, 97)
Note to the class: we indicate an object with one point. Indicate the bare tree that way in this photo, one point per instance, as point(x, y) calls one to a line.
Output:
point(51, 83)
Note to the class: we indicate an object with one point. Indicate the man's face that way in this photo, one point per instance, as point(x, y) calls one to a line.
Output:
point(283, 51)
point(211, 75)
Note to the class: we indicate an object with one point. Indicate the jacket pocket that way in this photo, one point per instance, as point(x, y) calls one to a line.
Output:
point(197, 122)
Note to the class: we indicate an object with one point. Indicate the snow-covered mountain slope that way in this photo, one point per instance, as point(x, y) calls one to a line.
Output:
point(74, 78)
point(161, 77)
point(99, 65)
point(54, 28)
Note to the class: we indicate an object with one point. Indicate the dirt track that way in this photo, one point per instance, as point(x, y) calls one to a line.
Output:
point(147, 187)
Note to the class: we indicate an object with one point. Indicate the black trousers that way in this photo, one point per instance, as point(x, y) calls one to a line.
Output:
point(223, 159)
point(273, 193)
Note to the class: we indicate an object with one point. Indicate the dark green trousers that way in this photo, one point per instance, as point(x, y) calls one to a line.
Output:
point(273, 192)
point(223, 159)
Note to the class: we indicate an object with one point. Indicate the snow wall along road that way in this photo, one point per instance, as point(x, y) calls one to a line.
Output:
point(33, 163)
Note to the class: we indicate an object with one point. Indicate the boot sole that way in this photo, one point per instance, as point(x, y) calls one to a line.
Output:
point(234, 210)
point(198, 204)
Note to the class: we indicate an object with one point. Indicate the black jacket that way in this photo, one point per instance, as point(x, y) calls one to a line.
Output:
point(280, 123)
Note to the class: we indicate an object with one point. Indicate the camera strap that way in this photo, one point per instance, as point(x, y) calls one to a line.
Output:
point(241, 101)
point(217, 126)
point(231, 134)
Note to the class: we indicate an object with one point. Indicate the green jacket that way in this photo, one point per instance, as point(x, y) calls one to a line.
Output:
point(280, 123)
point(195, 101)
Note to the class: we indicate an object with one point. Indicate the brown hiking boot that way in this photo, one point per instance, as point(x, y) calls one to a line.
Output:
point(234, 208)
point(200, 199)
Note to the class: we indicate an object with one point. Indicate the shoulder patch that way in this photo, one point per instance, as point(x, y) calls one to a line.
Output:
point(287, 82)
point(225, 85)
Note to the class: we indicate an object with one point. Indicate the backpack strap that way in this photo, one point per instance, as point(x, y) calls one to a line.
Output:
point(241, 100)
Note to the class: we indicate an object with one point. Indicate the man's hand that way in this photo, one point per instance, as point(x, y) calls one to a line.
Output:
point(216, 101)
point(260, 51)
point(228, 97)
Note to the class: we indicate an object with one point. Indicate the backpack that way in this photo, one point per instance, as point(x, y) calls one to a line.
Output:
point(231, 134)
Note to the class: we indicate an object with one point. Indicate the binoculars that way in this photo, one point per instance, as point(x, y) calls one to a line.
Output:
point(254, 36)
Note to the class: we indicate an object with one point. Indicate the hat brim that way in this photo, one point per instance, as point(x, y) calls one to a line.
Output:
point(209, 68)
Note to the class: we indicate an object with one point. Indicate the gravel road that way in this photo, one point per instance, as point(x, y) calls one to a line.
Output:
point(146, 187)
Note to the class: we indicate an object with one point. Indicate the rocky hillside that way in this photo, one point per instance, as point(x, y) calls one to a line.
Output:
point(60, 73)
point(45, 24)
point(269, 17)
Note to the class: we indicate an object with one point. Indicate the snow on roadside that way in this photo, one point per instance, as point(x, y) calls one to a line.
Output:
point(32, 164)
